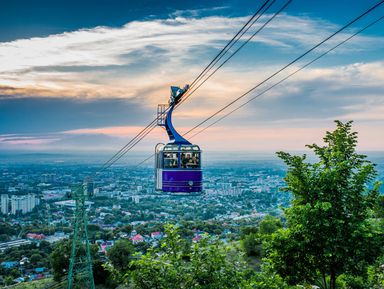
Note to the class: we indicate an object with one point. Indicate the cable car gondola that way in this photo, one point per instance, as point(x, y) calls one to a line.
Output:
point(177, 163)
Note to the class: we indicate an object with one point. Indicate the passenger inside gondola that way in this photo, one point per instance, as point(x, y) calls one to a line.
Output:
point(189, 160)
point(193, 162)
point(170, 160)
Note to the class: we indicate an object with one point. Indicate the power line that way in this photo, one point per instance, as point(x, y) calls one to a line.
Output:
point(229, 45)
point(144, 132)
point(285, 66)
point(147, 159)
point(117, 156)
point(290, 75)
point(132, 145)
point(239, 48)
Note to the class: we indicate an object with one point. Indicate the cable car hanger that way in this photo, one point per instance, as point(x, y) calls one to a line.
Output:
point(166, 121)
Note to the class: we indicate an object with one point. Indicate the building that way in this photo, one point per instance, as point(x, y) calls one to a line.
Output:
point(35, 237)
point(104, 246)
point(23, 204)
point(136, 199)
point(4, 204)
point(137, 239)
point(156, 235)
point(15, 243)
point(9, 264)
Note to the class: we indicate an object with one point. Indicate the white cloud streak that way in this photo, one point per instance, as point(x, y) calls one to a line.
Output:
point(139, 58)
point(142, 59)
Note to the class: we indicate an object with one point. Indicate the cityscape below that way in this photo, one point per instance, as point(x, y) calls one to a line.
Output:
point(38, 211)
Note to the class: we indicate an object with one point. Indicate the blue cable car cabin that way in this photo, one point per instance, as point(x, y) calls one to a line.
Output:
point(178, 163)
point(178, 168)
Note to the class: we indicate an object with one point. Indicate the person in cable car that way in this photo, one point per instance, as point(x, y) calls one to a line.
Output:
point(177, 163)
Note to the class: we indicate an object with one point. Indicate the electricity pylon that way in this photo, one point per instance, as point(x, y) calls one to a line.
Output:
point(80, 274)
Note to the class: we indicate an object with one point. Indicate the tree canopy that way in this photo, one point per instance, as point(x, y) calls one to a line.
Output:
point(206, 264)
point(328, 225)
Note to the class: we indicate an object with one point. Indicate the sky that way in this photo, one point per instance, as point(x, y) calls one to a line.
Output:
point(86, 76)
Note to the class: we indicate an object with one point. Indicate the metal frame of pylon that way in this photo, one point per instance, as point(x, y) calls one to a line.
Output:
point(80, 273)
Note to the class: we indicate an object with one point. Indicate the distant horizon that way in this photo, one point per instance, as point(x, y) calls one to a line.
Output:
point(135, 157)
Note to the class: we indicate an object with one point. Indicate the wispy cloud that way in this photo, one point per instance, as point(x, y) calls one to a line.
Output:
point(121, 62)
point(115, 131)
point(124, 72)
point(25, 140)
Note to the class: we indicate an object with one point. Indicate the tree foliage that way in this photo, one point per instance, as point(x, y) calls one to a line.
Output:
point(120, 254)
point(328, 224)
point(376, 274)
point(254, 237)
point(60, 259)
point(207, 264)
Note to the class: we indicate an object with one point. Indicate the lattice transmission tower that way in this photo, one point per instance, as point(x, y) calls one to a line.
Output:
point(80, 273)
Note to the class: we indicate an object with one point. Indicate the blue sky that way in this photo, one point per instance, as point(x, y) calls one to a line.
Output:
point(87, 75)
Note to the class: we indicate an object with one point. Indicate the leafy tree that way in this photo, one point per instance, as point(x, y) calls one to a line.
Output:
point(8, 280)
point(127, 229)
point(269, 225)
point(101, 275)
point(60, 259)
point(328, 224)
point(4, 238)
point(376, 274)
point(36, 258)
point(207, 264)
point(379, 208)
point(15, 273)
point(93, 227)
point(266, 278)
point(249, 230)
point(161, 269)
point(121, 254)
point(253, 242)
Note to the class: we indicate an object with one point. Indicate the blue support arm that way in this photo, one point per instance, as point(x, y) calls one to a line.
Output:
point(174, 136)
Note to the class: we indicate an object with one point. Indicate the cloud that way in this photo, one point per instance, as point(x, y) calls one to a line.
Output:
point(116, 131)
point(96, 88)
point(338, 92)
point(308, 102)
point(120, 62)
point(12, 140)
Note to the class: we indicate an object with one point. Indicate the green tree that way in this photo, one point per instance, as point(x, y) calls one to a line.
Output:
point(269, 225)
point(379, 209)
point(328, 232)
point(4, 238)
point(36, 258)
point(252, 244)
point(8, 280)
point(127, 229)
point(102, 275)
point(60, 259)
point(266, 278)
point(207, 264)
point(253, 241)
point(121, 254)
point(376, 274)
